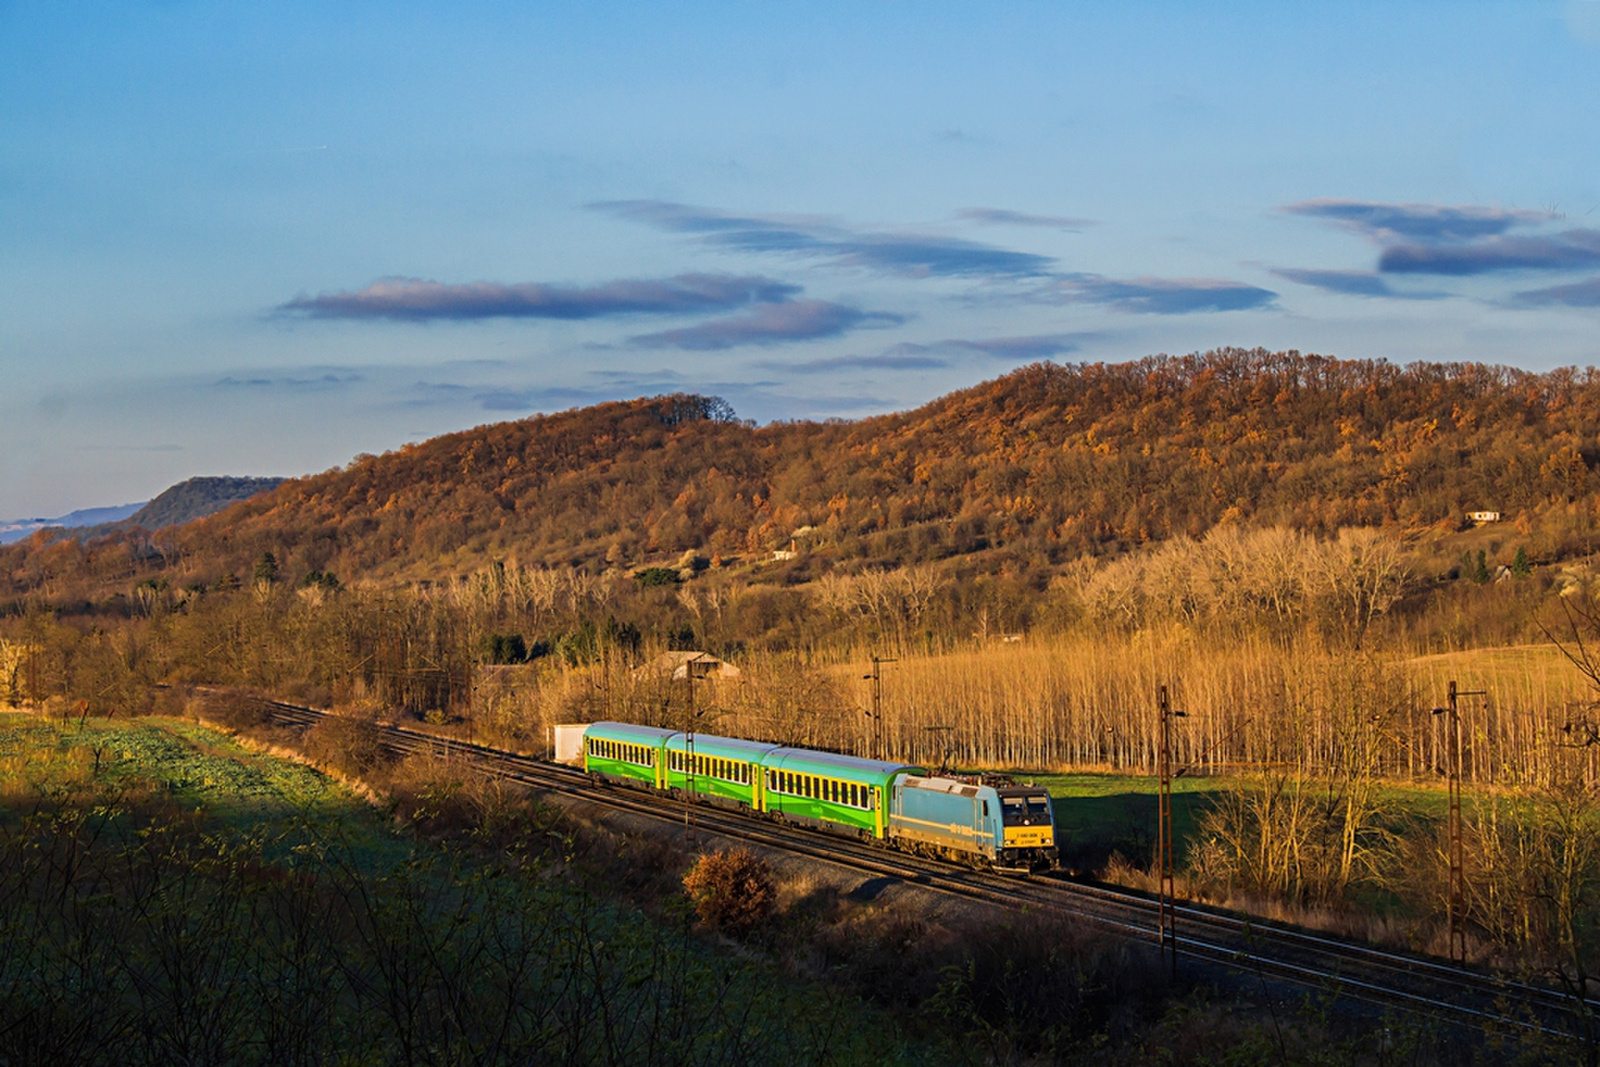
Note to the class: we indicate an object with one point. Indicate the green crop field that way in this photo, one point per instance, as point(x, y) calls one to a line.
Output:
point(169, 895)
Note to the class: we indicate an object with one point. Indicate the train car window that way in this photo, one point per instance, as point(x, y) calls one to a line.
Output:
point(1039, 807)
point(854, 796)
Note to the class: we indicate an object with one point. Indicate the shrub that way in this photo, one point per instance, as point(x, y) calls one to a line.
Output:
point(648, 576)
point(351, 744)
point(731, 890)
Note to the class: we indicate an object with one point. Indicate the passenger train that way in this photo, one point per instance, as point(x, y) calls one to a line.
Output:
point(1008, 827)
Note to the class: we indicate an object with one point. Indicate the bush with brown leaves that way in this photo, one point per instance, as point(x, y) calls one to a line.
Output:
point(731, 890)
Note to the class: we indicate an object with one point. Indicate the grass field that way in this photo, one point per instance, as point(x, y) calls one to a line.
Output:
point(169, 895)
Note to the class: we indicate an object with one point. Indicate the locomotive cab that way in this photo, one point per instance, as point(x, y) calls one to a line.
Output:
point(1028, 829)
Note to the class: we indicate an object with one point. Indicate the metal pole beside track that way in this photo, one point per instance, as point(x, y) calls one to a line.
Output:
point(1458, 905)
point(1168, 904)
point(877, 704)
point(689, 838)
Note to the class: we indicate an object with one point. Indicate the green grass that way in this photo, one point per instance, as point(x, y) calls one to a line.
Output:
point(267, 875)
point(1101, 814)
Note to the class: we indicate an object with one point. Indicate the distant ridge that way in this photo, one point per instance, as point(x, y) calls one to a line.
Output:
point(17, 529)
point(188, 500)
point(195, 499)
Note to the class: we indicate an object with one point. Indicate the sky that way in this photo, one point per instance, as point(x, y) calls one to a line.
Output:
point(247, 239)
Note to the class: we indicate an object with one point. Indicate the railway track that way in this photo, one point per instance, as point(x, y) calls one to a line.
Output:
point(1273, 951)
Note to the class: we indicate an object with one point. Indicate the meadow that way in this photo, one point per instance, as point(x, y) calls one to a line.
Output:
point(170, 895)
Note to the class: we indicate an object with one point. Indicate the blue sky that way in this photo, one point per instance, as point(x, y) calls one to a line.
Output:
point(260, 239)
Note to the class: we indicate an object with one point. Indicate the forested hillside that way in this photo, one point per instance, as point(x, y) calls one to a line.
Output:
point(1051, 462)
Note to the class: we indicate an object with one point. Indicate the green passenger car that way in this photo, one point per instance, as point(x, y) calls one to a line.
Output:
point(724, 769)
point(821, 787)
point(623, 751)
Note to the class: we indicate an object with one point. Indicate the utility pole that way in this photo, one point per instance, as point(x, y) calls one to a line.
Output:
point(877, 704)
point(1458, 908)
point(1167, 902)
point(690, 839)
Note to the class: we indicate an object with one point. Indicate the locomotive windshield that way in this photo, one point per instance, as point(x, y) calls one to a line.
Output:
point(1025, 809)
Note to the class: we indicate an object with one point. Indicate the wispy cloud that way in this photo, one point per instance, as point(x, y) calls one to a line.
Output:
point(993, 216)
point(315, 383)
point(1161, 296)
point(1584, 294)
point(1441, 240)
point(771, 324)
point(911, 355)
point(416, 300)
point(1033, 347)
point(1570, 250)
point(1351, 283)
point(886, 252)
point(1428, 223)
point(890, 360)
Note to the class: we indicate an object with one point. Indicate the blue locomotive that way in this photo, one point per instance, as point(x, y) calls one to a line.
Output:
point(1005, 826)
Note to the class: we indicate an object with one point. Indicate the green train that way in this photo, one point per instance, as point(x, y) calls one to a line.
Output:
point(1005, 826)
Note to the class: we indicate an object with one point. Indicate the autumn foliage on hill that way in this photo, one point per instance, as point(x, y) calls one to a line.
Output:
point(1052, 461)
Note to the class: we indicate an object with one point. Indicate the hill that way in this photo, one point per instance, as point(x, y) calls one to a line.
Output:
point(184, 502)
point(1043, 465)
point(197, 498)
